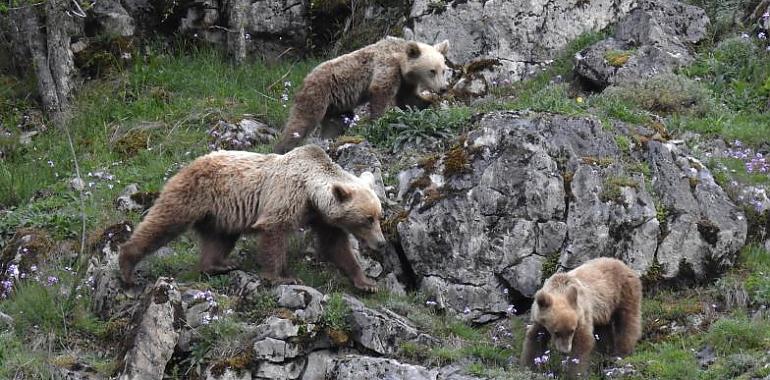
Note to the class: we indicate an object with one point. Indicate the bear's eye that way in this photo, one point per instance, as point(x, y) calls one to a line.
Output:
point(370, 220)
point(433, 73)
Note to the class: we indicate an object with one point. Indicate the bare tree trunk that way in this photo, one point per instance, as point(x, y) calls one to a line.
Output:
point(236, 28)
point(44, 32)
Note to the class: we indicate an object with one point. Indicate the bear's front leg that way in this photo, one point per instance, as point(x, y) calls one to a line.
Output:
point(383, 90)
point(535, 344)
point(273, 254)
point(334, 244)
point(582, 346)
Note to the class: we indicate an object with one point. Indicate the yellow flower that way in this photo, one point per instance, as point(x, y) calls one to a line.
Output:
point(579, 99)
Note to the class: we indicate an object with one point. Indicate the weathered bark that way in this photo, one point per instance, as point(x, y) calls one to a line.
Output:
point(44, 31)
point(236, 28)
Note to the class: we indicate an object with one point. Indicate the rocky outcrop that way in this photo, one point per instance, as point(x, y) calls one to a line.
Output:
point(653, 39)
point(522, 35)
point(526, 195)
point(156, 333)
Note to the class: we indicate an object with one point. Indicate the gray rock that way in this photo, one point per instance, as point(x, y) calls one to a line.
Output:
point(228, 374)
point(274, 350)
point(125, 203)
point(355, 367)
point(358, 158)
point(6, 319)
point(471, 86)
point(382, 331)
point(273, 26)
point(277, 328)
point(244, 134)
point(156, 333)
point(303, 300)
point(318, 362)
point(112, 19)
point(283, 371)
point(539, 185)
point(704, 228)
point(654, 39)
point(109, 299)
point(77, 184)
point(391, 284)
point(522, 35)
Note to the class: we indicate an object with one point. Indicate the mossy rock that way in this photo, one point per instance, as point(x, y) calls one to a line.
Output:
point(617, 58)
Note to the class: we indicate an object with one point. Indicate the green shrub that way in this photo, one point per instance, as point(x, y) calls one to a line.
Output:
point(738, 334)
point(667, 94)
point(336, 313)
point(397, 127)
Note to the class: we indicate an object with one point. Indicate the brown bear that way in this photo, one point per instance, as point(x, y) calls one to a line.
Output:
point(603, 293)
point(225, 194)
point(390, 72)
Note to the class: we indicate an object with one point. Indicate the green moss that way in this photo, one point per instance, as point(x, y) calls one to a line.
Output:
point(550, 265)
point(623, 143)
point(618, 58)
point(611, 191)
point(653, 275)
point(455, 161)
point(132, 142)
point(603, 162)
point(390, 225)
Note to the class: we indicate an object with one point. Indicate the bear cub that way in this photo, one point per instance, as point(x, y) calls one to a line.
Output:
point(602, 295)
point(390, 72)
point(226, 194)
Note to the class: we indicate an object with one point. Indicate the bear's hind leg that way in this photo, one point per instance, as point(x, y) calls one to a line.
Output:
point(334, 244)
point(535, 344)
point(627, 318)
point(627, 331)
point(274, 256)
point(214, 250)
point(148, 237)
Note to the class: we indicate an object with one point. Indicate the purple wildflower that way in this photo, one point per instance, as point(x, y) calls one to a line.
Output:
point(52, 280)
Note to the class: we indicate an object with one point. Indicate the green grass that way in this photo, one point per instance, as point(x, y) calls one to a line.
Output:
point(336, 313)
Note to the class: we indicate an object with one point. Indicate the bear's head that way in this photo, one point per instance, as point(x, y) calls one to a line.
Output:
point(425, 66)
point(356, 209)
point(559, 313)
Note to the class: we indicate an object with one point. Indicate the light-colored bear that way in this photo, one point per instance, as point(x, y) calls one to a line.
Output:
point(391, 72)
point(225, 194)
point(602, 293)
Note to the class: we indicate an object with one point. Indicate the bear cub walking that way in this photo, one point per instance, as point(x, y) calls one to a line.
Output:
point(391, 72)
point(225, 194)
point(603, 293)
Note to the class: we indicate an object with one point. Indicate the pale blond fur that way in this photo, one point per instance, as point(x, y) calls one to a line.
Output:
point(228, 193)
point(602, 292)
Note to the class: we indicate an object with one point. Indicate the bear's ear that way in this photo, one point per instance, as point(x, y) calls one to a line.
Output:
point(442, 47)
point(572, 295)
point(543, 300)
point(341, 192)
point(368, 179)
point(413, 50)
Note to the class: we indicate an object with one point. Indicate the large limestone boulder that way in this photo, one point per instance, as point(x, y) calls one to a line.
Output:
point(531, 194)
point(655, 38)
point(521, 34)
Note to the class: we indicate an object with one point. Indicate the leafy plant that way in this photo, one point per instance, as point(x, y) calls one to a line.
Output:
point(398, 128)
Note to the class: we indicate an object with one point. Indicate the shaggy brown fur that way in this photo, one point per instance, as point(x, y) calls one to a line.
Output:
point(228, 193)
point(603, 292)
point(387, 73)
